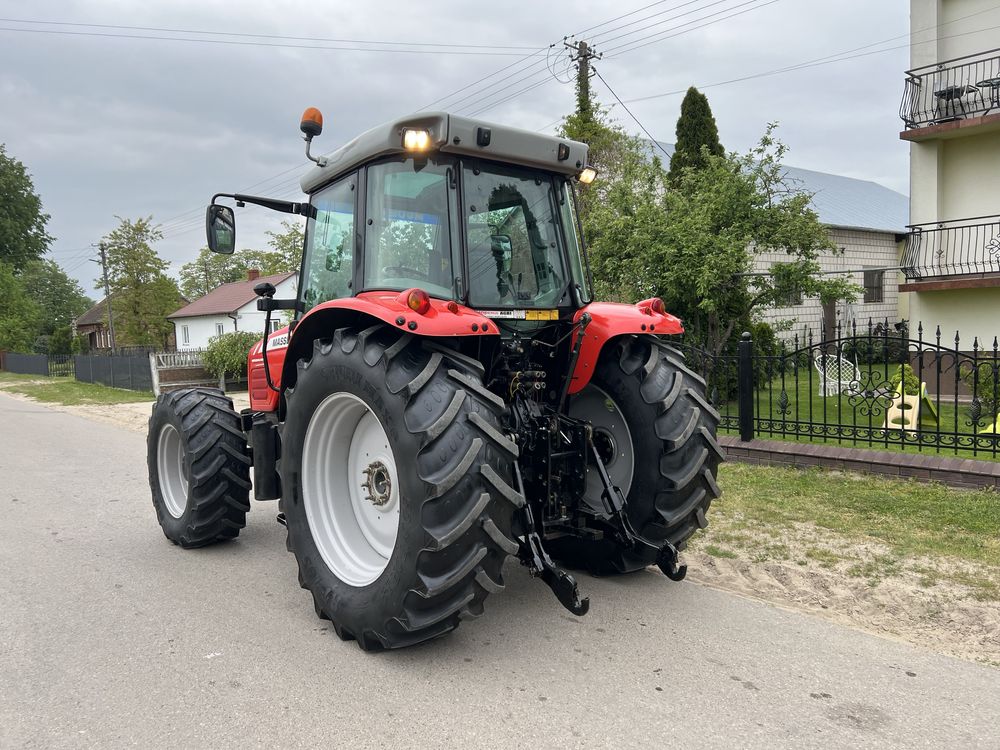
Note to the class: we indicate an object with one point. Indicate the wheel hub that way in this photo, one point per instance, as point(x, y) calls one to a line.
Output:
point(378, 485)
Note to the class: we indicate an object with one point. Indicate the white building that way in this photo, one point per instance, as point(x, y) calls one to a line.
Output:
point(951, 115)
point(230, 307)
point(867, 223)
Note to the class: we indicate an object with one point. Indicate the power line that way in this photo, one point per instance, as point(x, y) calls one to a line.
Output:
point(599, 40)
point(663, 35)
point(256, 36)
point(256, 44)
point(829, 59)
point(624, 15)
point(637, 121)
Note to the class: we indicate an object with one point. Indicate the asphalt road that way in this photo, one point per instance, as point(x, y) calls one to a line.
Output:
point(110, 636)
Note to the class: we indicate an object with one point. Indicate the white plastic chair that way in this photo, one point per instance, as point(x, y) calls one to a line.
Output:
point(836, 374)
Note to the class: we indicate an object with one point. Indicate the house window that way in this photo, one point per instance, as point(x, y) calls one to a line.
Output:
point(874, 286)
point(185, 335)
point(791, 298)
point(275, 325)
point(219, 329)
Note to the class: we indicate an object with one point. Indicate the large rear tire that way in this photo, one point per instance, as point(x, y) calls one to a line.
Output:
point(199, 467)
point(397, 489)
point(657, 429)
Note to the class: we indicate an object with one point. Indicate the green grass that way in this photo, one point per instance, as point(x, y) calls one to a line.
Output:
point(806, 405)
point(909, 518)
point(73, 392)
point(13, 377)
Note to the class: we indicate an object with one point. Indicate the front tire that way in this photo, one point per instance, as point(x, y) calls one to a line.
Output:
point(646, 404)
point(199, 467)
point(408, 423)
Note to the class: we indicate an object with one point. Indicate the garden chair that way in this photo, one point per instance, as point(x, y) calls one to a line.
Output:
point(836, 374)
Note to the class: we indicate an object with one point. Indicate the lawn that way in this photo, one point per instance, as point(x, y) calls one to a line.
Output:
point(912, 518)
point(70, 392)
point(804, 407)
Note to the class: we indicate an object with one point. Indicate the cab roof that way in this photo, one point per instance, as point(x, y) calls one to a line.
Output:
point(452, 134)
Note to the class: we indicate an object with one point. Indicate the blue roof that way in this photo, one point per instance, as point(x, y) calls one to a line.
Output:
point(844, 201)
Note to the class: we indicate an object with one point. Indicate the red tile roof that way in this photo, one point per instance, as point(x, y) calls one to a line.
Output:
point(227, 298)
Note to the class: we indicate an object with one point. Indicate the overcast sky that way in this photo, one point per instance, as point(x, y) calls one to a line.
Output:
point(135, 127)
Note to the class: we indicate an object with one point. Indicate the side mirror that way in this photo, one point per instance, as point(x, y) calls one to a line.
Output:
point(220, 226)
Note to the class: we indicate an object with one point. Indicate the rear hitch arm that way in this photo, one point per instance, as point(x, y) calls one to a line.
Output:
point(540, 565)
point(665, 555)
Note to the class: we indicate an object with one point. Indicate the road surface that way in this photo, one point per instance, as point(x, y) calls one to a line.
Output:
point(112, 637)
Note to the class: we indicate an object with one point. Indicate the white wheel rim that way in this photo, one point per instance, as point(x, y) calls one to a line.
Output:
point(170, 469)
point(610, 431)
point(350, 489)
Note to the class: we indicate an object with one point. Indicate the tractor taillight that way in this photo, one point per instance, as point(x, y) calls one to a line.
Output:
point(652, 305)
point(418, 301)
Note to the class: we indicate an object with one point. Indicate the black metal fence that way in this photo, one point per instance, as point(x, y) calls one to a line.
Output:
point(26, 364)
point(947, 248)
point(132, 372)
point(872, 386)
point(952, 90)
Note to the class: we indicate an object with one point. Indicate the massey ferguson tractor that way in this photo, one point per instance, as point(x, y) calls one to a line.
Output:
point(446, 393)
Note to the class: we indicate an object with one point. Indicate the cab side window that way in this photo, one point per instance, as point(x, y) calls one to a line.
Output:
point(330, 244)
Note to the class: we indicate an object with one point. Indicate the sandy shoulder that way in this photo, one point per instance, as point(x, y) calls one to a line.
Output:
point(920, 600)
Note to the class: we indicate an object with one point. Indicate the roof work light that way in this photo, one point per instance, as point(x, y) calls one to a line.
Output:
point(416, 140)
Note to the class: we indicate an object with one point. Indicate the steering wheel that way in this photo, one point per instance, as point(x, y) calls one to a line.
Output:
point(404, 272)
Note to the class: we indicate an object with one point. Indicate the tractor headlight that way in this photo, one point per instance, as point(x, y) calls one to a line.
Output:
point(416, 140)
point(588, 175)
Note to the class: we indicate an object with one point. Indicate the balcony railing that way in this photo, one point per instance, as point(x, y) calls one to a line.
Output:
point(952, 90)
point(961, 247)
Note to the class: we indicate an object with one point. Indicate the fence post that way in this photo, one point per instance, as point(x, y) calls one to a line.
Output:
point(745, 387)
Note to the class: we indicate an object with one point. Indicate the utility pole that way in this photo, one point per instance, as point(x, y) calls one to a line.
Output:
point(107, 292)
point(582, 53)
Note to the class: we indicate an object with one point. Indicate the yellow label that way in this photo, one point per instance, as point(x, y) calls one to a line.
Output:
point(541, 315)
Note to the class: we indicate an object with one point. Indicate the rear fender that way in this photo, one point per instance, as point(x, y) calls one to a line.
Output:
point(442, 320)
point(608, 320)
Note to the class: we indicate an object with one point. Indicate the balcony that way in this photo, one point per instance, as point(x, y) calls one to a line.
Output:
point(944, 98)
point(956, 254)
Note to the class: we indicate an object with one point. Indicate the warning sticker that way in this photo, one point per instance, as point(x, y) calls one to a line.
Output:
point(521, 314)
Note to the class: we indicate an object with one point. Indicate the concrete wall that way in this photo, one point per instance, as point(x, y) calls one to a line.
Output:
point(861, 249)
point(958, 176)
point(971, 312)
point(965, 29)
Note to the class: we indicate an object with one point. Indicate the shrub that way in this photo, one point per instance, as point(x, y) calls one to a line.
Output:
point(227, 354)
point(61, 341)
point(911, 383)
point(984, 381)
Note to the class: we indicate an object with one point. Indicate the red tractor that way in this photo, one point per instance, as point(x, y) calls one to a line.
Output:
point(446, 393)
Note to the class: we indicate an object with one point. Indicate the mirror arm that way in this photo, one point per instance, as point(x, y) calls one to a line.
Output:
point(288, 207)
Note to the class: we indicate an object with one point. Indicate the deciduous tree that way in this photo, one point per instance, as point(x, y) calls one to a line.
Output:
point(22, 222)
point(142, 294)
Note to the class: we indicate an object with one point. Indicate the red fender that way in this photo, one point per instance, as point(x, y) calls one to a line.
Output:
point(609, 319)
point(439, 318)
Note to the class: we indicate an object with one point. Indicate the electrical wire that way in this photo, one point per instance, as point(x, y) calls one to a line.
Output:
point(663, 35)
point(257, 44)
point(637, 121)
point(832, 58)
point(40, 22)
